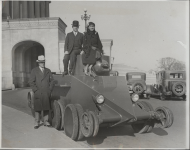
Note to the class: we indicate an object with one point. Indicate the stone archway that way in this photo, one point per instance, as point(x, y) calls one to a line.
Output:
point(24, 56)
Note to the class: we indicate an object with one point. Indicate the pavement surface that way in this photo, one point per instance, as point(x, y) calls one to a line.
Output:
point(18, 131)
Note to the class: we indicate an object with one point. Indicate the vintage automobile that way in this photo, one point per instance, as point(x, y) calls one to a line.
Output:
point(136, 82)
point(82, 104)
point(169, 84)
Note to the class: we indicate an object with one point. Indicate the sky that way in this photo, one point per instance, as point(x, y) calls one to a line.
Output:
point(142, 31)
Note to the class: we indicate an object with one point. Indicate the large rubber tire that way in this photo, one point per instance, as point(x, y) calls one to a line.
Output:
point(71, 125)
point(178, 85)
point(137, 88)
point(62, 107)
point(55, 115)
point(171, 117)
point(31, 102)
point(96, 123)
point(167, 121)
point(150, 123)
point(80, 111)
point(150, 108)
point(141, 127)
point(87, 124)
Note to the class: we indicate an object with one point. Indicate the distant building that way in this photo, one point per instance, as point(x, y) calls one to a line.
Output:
point(28, 31)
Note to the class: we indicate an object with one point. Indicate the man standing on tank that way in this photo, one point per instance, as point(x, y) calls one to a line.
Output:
point(73, 47)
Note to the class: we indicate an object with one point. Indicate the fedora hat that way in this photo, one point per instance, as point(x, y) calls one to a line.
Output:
point(75, 23)
point(41, 58)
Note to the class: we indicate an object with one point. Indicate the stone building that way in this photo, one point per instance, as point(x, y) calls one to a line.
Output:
point(28, 31)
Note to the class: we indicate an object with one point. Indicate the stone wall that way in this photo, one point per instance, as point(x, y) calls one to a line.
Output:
point(43, 31)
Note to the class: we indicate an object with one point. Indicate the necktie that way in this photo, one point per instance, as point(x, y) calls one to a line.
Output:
point(42, 70)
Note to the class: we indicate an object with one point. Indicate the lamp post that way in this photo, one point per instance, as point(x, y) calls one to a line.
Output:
point(85, 17)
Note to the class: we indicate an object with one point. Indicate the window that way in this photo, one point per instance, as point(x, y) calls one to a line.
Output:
point(176, 75)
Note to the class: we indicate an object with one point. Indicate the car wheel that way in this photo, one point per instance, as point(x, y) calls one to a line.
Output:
point(62, 106)
point(96, 123)
point(179, 88)
point(80, 111)
point(55, 115)
point(71, 121)
point(138, 88)
point(146, 126)
point(87, 124)
point(167, 117)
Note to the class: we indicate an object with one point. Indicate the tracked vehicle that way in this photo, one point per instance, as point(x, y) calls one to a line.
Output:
point(83, 104)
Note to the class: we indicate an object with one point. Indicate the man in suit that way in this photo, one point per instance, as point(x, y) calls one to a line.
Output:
point(41, 82)
point(73, 47)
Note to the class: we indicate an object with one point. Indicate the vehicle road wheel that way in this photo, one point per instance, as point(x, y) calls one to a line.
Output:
point(87, 124)
point(62, 105)
point(31, 102)
point(71, 121)
point(138, 88)
point(178, 88)
point(80, 111)
point(96, 123)
point(167, 116)
point(171, 117)
point(150, 123)
point(55, 115)
point(143, 126)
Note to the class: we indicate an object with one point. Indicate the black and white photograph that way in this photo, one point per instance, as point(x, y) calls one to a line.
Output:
point(95, 74)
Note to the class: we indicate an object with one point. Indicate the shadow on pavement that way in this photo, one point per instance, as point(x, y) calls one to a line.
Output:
point(105, 132)
point(159, 131)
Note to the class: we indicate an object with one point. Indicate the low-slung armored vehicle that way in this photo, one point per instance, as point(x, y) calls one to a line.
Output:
point(136, 82)
point(169, 84)
point(82, 104)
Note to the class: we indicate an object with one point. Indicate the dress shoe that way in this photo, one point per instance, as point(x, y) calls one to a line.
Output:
point(65, 73)
point(47, 124)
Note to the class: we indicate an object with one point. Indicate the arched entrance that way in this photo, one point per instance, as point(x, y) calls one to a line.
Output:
point(24, 58)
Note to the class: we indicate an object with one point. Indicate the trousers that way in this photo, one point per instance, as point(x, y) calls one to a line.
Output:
point(43, 113)
point(72, 57)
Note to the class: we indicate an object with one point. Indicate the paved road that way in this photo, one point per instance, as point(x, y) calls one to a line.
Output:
point(123, 137)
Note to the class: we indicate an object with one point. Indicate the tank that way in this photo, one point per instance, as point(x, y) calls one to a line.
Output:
point(82, 104)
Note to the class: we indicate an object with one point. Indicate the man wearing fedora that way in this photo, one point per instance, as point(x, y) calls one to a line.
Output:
point(41, 80)
point(73, 47)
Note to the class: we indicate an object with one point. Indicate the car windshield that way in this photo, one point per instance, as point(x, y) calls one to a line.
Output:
point(176, 75)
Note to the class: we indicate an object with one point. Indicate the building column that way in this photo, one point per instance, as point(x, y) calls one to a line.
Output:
point(16, 10)
point(30, 9)
point(47, 8)
point(42, 9)
point(37, 9)
point(5, 10)
point(24, 9)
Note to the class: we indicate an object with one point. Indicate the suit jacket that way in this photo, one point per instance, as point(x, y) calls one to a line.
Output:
point(41, 84)
point(69, 41)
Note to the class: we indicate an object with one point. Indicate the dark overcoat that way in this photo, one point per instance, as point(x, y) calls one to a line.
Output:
point(69, 41)
point(89, 40)
point(41, 84)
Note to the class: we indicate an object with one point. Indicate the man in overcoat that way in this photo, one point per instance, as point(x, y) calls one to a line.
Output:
point(73, 47)
point(41, 80)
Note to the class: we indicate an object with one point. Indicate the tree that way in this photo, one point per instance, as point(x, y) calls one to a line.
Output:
point(169, 63)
